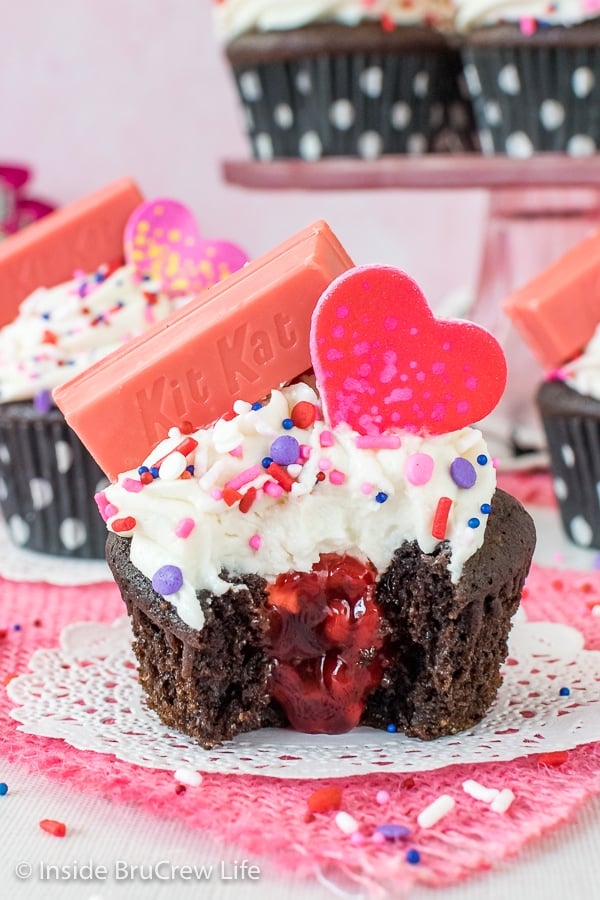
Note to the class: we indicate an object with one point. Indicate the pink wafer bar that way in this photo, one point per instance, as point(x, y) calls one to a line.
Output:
point(236, 340)
point(82, 235)
point(556, 312)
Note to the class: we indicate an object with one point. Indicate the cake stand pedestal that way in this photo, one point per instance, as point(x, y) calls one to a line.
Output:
point(538, 209)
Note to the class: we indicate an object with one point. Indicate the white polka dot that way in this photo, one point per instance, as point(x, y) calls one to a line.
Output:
point(421, 84)
point(582, 81)
point(263, 146)
point(283, 115)
point(580, 531)
point(416, 144)
point(4, 453)
point(508, 80)
point(568, 455)
point(400, 115)
point(370, 145)
point(41, 492)
point(19, 530)
point(560, 489)
point(518, 145)
point(3, 489)
point(472, 79)
point(72, 533)
point(250, 86)
point(487, 142)
point(371, 81)
point(303, 82)
point(552, 114)
point(342, 114)
point(581, 145)
point(436, 115)
point(64, 456)
point(310, 147)
point(492, 112)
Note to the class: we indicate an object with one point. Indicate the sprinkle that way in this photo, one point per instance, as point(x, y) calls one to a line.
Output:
point(432, 814)
point(527, 25)
point(241, 406)
point(440, 518)
point(230, 496)
point(303, 414)
point(128, 523)
point(564, 692)
point(294, 470)
point(479, 791)
point(485, 508)
point(172, 466)
point(146, 477)
point(111, 510)
point(132, 485)
point(321, 476)
point(51, 826)
point(247, 500)
point(273, 489)
point(187, 776)
point(305, 451)
point(412, 856)
point(378, 442)
point(287, 424)
point(378, 838)
point(326, 439)
point(346, 823)
point(324, 464)
point(392, 832)
point(381, 497)
point(154, 471)
point(237, 451)
point(503, 801)
point(167, 580)
point(3, 633)
point(42, 401)
point(16, 627)
point(474, 522)
point(382, 797)
point(556, 758)
point(285, 450)
point(281, 476)
point(366, 488)
point(325, 799)
point(337, 477)
point(256, 406)
point(101, 503)
point(3, 788)
point(419, 468)
point(255, 542)
point(186, 427)
point(266, 462)
point(357, 839)
point(184, 527)
point(462, 472)
point(244, 477)
point(216, 493)
point(180, 788)
point(482, 459)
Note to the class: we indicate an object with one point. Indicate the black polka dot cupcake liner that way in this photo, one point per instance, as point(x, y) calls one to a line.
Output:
point(359, 105)
point(530, 99)
point(572, 426)
point(47, 485)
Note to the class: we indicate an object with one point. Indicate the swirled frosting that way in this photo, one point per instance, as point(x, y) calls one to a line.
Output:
point(476, 13)
point(269, 489)
point(235, 17)
point(62, 330)
point(583, 373)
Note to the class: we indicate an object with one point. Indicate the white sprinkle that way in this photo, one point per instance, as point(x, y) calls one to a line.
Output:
point(479, 791)
point(174, 432)
point(346, 823)
point(241, 407)
point(294, 469)
point(432, 814)
point(502, 801)
point(468, 440)
point(188, 776)
point(172, 467)
point(596, 610)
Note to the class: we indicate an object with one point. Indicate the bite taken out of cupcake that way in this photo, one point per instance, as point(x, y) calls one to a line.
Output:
point(333, 552)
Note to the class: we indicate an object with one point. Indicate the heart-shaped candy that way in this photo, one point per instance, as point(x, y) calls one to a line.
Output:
point(383, 361)
point(163, 242)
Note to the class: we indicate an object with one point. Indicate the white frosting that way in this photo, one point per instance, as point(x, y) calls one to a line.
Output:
point(367, 503)
point(62, 330)
point(235, 17)
point(475, 13)
point(583, 373)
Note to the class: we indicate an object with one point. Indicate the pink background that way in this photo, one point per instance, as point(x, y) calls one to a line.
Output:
point(91, 91)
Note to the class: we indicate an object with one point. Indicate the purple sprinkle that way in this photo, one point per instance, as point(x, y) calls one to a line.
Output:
point(42, 401)
point(167, 580)
point(393, 832)
point(285, 450)
point(463, 472)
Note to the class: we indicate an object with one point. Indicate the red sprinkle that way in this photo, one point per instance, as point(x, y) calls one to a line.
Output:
point(49, 337)
point(303, 414)
point(146, 477)
point(9, 677)
point(325, 799)
point(557, 758)
point(3, 633)
point(58, 829)
point(180, 788)
point(230, 496)
point(440, 519)
point(186, 427)
point(281, 476)
point(247, 500)
point(125, 524)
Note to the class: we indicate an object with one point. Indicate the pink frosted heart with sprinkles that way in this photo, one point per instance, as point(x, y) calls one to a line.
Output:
point(383, 361)
point(163, 242)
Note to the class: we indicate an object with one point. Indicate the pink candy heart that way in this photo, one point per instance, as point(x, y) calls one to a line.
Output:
point(163, 242)
point(383, 361)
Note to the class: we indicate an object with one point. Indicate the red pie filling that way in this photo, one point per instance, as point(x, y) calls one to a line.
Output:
point(325, 639)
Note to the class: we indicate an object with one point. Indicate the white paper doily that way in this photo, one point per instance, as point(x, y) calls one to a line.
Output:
point(18, 564)
point(86, 692)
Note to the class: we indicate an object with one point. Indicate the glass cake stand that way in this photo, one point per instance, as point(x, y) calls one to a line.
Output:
point(538, 209)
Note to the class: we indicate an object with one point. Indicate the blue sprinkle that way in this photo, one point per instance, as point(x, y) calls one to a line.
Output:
point(154, 471)
point(256, 405)
point(142, 470)
point(16, 627)
point(266, 462)
point(564, 692)
point(189, 469)
point(391, 728)
point(485, 508)
point(393, 832)
point(474, 522)
point(413, 857)
point(3, 788)
point(482, 459)
point(381, 497)
point(46, 315)
point(287, 424)
point(99, 277)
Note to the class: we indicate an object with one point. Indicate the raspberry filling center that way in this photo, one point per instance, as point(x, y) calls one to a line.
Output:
point(325, 638)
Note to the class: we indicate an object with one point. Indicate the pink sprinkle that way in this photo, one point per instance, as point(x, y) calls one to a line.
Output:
point(101, 503)
point(337, 477)
point(378, 441)
point(419, 468)
point(326, 439)
point(110, 510)
point(305, 451)
point(366, 487)
point(237, 451)
point(324, 464)
point(357, 839)
point(527, 25)
point(255, 541)
point(132, 485)
point(244, 477)
point(378, 837)
point(184, 527)
point(273, 489)
point(216, 493)
point(496, 462)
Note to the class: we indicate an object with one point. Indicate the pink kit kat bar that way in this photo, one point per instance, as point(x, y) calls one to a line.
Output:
point(235, 341)
point(556, 312)
point(83, 235)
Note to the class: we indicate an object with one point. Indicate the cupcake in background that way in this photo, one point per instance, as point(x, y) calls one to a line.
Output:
point(357, 78)
point(533, 72)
